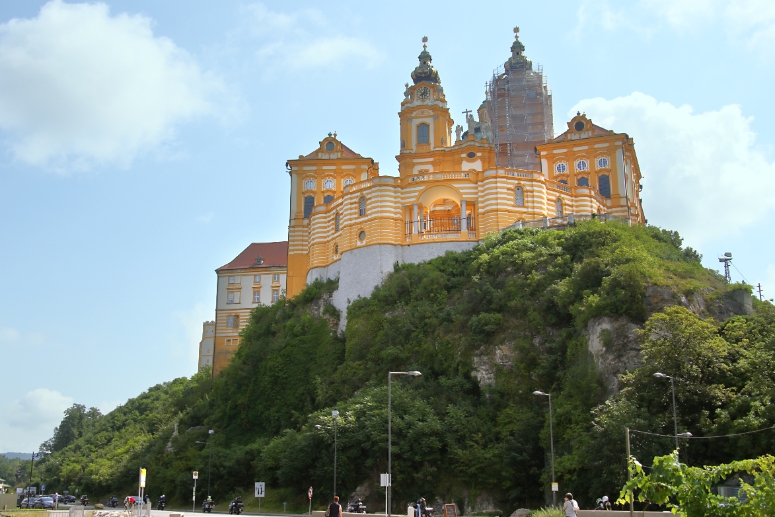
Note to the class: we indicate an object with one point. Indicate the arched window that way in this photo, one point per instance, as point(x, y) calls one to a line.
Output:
point(602, 162)
point(328, 199)
point(582, 165)
point(519, 196)
point(328, 184)
point(309, 203)
point(362, 206)
point(564, 181)
point(604, 185)
point(336, 222)
point(309, 184)
point(423, 134)
point(558, 207)
point(583, 182)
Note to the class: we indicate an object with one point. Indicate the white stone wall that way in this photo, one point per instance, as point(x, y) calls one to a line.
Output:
point(362, 269)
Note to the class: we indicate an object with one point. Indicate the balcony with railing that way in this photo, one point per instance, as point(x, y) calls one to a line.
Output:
point(439, 228)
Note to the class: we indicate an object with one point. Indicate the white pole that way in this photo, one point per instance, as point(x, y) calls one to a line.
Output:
point(193, 499)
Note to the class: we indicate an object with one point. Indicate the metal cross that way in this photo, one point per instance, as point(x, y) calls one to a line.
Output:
point(516, 31)
point(466, 113)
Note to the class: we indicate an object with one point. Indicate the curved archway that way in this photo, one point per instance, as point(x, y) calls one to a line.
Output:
point(432, 194)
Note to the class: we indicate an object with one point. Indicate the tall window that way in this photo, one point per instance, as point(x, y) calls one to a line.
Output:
point(336, 222)
point(328, 199)
point(256, 297)
point(275, 295)
point(362, 206)
point(309, 203)
point(583, 181)
point(604, 185)
point(519, 197)
point(276, 277)
point(558, 207)
point(232, 321)
point(257, 279)
point(233, 297)
point(423, 134)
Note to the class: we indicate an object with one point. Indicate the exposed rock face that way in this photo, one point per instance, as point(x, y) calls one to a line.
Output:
point(733, 303)
point(485, 364)
point(615, 345)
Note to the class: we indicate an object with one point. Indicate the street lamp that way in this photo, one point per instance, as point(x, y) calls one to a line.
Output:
point(210, 460)
point(551, 440)
point(412, 373)
point(659, 375)
point(334, 414)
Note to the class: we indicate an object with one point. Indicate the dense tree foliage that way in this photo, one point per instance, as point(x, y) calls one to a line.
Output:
point(486, 328)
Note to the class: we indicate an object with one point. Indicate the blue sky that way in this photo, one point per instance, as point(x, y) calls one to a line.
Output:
point(143, 145)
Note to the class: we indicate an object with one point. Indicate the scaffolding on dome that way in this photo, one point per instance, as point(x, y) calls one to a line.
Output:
point(519, 110)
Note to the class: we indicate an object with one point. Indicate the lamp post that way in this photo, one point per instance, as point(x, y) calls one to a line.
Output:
point(210, 459)
point(334, 415)
point(551, 440)
point(389, 488)
point(659, 375)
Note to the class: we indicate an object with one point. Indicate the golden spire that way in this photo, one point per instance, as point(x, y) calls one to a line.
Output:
point(424, 41)
point(516, 32)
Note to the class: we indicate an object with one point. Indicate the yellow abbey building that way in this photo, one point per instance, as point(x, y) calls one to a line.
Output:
point(455, 184)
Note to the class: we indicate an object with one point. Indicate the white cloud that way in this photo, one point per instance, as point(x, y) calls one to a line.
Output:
point(701, 171)
point(752, 21)
point(304, 40)
point(205, 218)
point(82, 87)
point(29, 421)
point(9, 334)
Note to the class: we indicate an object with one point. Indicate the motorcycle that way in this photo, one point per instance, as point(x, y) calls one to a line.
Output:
point(356, 506)
point(161, 504)
point(207, 506)
point(84, 500)
point(236, 507)
point(113, 502)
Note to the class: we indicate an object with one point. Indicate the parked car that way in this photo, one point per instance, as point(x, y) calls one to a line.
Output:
point(68, 499)
point(28, 502)
point(44, 502)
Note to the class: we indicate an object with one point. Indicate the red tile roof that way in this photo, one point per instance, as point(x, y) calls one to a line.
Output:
point(272, 254)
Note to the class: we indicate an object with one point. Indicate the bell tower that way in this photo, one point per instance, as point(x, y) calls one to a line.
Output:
point(425, 121)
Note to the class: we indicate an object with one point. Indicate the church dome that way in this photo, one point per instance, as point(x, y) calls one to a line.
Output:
point(425, 71)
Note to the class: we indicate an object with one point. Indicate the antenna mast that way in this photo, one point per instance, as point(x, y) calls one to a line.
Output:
point(726, 260)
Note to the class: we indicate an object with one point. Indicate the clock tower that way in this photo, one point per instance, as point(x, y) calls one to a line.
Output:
point(425, 121)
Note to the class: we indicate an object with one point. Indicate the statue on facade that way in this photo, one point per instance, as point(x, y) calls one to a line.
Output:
point(458, 132)
point(471, 124)
point(407, 93)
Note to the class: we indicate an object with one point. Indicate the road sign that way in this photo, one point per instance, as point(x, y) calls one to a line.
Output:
point(260, 489)
point(142, 478)
point(196, 474)
point(42, 488)
point(309, 493)
point(555, 487)
point(384, 480)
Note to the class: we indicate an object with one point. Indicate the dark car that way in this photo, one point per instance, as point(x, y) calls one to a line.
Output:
point(25, 503)
point(68, 499)
point(44, 502)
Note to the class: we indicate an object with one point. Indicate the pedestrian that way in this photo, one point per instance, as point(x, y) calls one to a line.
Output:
point(570, 506)
point(334, 509)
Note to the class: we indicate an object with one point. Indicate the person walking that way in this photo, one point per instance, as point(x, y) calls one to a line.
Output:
point(570, 506)
point(334, 509)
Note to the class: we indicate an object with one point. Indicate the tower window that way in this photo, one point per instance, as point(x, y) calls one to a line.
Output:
point(519, 197)
point(602, 162)
point(583, 181)
point(328, 199)
point(558, 207)
point(582, 165)
point(328, 184)
point(309, 203)
point(336, 222)
point(348, 181)
point(309, 184)
point(604, 185)
point(423, 134)
point(560, 168)
point(362, 206)
point(329, 146)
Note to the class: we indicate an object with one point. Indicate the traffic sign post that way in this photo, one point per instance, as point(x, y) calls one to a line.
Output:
point(193, 497)
point(260, 491)
point(309, 495)
point(384, 480)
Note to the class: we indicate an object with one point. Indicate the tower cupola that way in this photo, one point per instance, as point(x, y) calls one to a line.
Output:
point(518, 61)
point(425, 71)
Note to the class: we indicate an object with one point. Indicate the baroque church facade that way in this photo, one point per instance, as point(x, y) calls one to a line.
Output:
point(455, 184)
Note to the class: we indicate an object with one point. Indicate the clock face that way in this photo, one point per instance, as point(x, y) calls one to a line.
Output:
point(423, 93)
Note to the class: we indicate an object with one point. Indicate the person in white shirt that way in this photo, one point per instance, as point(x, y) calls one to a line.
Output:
point(570, 506)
